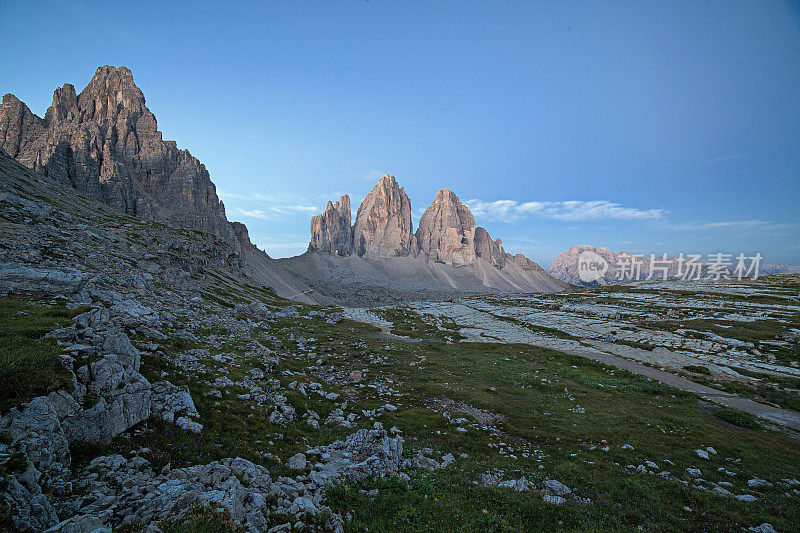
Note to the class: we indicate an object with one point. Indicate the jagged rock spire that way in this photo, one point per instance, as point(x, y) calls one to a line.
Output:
point(383, 222)
point(330, 231)
point(105, 143)
point(489, 250)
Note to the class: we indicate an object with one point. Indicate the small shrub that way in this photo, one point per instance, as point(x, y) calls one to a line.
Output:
point(199, 519)
point(738, 418)
point(697, 369)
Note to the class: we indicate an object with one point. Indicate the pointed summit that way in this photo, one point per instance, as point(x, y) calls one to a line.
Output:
point(65, 105)
point(111, 92)
point(383, 222)
point(446, 230)
point(489, 250)
point(15, 120)
point(105, 143)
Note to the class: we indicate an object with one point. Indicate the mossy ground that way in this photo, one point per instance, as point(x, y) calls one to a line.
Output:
point(29, 363)
point(530, 411)
point(549, 413)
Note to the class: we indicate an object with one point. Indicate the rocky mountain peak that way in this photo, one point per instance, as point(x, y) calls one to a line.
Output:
point(446, 230)
point(330, 231)
point(383, 222)
point(105, 143)
point(111, 93)
point(65, 104)
point(387, 180)
point(10, 100)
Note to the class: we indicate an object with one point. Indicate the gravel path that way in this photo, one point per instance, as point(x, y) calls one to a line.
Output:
point(773, 414)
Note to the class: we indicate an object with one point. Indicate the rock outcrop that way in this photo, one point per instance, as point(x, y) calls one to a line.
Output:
point(489, 250)
point(331, 232)
point(446, 230)
point(383, 222)
point(105, 143)
point(41, 281)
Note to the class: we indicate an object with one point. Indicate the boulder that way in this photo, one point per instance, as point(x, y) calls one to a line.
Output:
point(254, 309)
point(169, 402)
point(124, 399)
point(376, 454)
point(119, 344)
point(556, 488)
point(15, 279)
point(296, 462)
point(287, 312)
point(37, 430)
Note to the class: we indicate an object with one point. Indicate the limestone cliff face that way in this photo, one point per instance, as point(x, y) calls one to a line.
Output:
point(490, 251)
point(446, 230)
point(383, 222)
point(105, 143)
point(330, 231)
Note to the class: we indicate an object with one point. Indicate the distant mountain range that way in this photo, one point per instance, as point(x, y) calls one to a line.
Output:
point(380, 257)
point(566, 266)
point(105, 143)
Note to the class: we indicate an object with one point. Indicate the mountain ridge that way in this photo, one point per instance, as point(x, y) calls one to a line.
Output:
point(105, 143)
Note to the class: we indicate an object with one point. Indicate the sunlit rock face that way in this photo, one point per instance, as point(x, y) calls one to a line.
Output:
point(446, 230)
point(330, 231)
point(105, 143)
point(383, 222)
point(489, 250)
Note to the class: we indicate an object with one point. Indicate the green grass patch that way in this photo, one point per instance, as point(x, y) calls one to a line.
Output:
point(199, 519)
point(738, 418)
point(29, 363)
point(697, 369)
point(637, 344)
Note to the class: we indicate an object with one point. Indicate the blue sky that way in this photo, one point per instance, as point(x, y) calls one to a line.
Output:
point(647, 127)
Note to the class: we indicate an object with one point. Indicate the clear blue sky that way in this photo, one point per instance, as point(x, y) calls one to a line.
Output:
point(671, 126)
